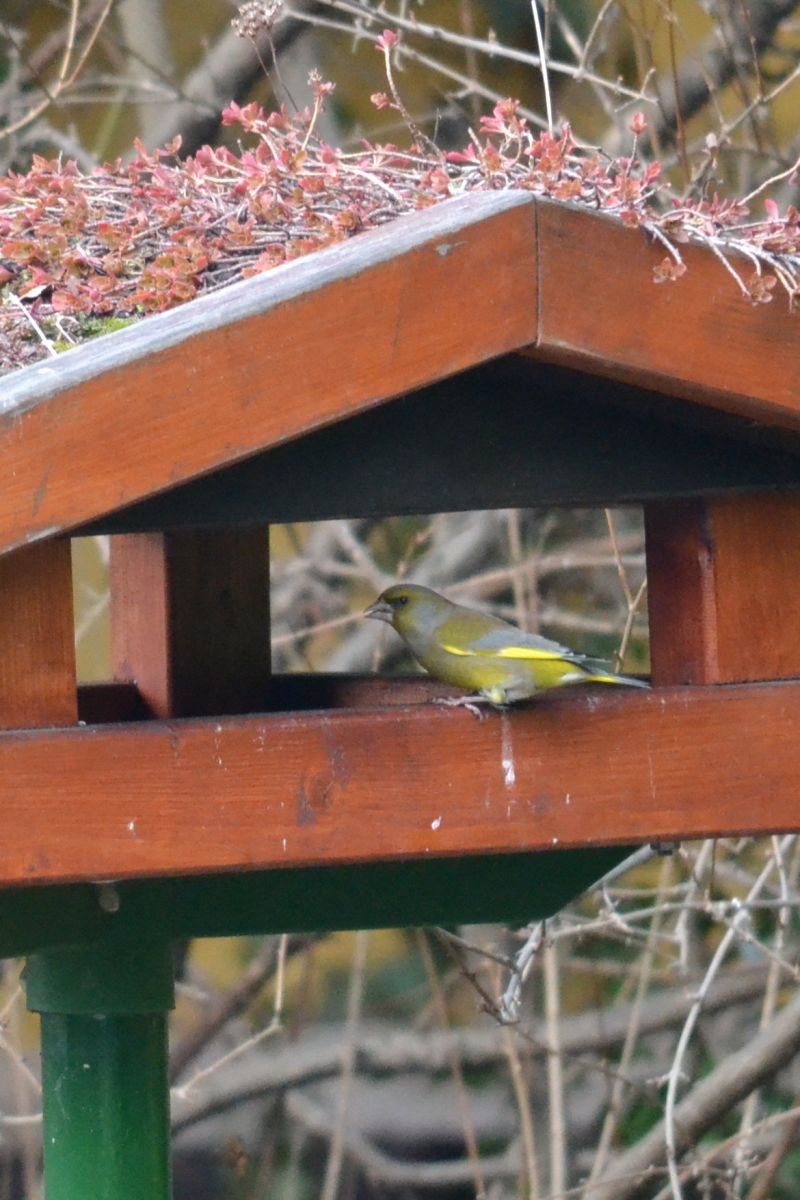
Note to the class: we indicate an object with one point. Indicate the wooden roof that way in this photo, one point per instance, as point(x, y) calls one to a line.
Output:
point(184, 394)
point(492, 350)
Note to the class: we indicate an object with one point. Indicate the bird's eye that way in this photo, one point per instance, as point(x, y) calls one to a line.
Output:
point(401, 600)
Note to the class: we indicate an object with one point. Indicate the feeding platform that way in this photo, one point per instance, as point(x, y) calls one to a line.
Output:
point(492, 351)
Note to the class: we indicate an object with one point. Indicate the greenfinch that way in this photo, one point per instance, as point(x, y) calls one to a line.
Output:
point(498, 663)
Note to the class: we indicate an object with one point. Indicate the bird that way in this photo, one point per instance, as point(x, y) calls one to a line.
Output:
point(494, 661)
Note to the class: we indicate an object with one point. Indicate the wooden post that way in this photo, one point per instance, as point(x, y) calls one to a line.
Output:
point(104, 1068)
point(723, 588)
point(37, 639)
point(190, 619)
point(190, 626)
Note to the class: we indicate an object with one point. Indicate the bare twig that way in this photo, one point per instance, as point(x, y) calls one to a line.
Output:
point(714, 1096)
point(274, 1026)
point(462, 1093)
point(548, 104)
point(333, 1168)
point(532, 1187)
point(555, 1072)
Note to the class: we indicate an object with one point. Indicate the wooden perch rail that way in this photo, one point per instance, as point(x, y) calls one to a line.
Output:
point(582, 768)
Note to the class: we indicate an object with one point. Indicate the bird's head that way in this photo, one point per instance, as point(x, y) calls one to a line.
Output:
point(408, 607)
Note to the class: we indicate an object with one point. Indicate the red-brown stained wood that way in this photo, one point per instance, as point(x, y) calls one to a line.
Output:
point(190, 619)
point(588, 768)
point(325, 338)
point(698, 337)
point(757, 568)
point(723, 589)
point(681, 595)
point(37, 643)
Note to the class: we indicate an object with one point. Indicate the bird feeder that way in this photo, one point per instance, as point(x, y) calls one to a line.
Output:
point(492, 351)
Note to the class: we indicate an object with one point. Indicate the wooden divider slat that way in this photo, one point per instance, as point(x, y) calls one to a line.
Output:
point(722, 580)
point(37, 645)
point(190, 619)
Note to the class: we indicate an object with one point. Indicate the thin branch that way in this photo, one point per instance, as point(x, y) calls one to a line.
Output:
point(333, 1168)
point(555, 1072)
point(710, 1100)
point(465, 1107)
point(543, 65)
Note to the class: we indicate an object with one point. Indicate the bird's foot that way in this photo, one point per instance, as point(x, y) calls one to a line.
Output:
point(470, 703)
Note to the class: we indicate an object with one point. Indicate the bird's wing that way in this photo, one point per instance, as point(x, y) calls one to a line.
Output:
point(498, 640)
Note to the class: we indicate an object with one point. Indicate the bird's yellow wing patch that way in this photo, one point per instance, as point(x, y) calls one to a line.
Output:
point(608, 677)
point(506, 652)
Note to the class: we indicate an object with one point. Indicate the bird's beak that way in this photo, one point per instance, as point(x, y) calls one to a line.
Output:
point(380, 610)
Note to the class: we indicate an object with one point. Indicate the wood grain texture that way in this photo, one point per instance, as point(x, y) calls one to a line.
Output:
point(205, 385)
point(681, 596)
point(697, 338)
point(757, 571)
point(722, 583)
point(190, 619)
point(584, 769)
point(556, 436)
point(37, 642)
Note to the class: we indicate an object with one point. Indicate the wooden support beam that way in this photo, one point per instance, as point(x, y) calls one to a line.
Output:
point(37, 640)
point(722, 582)
point(190, 619)
point(601, 311)
point(558, 437)
point(589, 767)
point(513, 888)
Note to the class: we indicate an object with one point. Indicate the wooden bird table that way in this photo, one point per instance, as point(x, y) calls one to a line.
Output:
point(490, 352)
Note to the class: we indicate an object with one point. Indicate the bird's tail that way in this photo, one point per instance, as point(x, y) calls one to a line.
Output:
point(601, 676)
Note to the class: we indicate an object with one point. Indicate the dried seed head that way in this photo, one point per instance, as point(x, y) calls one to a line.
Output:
point(256, 17)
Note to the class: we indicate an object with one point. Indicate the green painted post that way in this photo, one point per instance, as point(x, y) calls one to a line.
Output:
point(104, 1069)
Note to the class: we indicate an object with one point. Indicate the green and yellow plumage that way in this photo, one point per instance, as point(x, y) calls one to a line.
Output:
point(481, 653)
